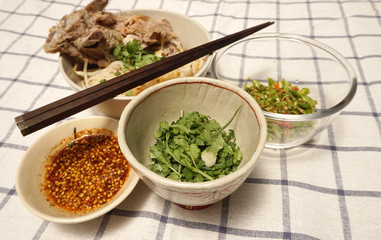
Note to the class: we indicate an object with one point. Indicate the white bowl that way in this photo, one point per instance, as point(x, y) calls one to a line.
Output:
point(31, 170)
point(190, 32)
point(164, 102)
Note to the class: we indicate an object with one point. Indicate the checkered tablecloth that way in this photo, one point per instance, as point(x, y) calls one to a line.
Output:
point(329, 188)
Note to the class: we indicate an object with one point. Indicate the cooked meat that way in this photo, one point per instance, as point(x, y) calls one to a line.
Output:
point(90, 34)
point(149, 31)
point(96, 5)
point(85, 34)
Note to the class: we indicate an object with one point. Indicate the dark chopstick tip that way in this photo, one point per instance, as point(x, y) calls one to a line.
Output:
point(23, 127)
point(19, 119)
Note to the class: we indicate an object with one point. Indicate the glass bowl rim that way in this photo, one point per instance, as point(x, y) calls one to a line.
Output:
point(312, 42)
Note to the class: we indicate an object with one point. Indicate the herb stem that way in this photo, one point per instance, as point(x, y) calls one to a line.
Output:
point(227, 124)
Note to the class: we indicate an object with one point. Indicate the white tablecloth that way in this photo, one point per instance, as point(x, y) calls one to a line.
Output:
point(329, 188)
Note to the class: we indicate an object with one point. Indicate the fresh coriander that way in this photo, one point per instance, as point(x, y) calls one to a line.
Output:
point(133, 56)
point(209, 155)
point(183, 147)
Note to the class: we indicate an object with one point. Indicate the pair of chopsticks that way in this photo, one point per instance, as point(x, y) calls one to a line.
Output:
point(65, 107)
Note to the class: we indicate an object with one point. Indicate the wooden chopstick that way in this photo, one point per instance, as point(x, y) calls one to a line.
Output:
point(65, 107)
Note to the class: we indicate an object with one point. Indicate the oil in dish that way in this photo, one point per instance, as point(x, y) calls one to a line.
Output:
point(86, 173)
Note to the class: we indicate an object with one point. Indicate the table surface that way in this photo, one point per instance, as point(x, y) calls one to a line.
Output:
point(328, 188)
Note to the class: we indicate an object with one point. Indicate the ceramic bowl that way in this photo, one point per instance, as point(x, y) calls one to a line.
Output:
point(301, 61)
point(164, 102)
point(190, 32)
point(30, 174)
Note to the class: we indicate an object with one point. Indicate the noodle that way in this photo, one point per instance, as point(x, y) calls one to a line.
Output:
point(91, 78)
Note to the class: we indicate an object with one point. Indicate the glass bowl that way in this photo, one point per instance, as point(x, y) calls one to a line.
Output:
point(300, 61)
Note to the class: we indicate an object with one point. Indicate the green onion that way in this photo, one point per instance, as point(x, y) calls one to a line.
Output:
point(281, 97)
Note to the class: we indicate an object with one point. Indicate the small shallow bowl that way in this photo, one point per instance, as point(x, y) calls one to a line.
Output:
point(301, 61)
point(190, 32)
point(164, 102)
point(31, 171)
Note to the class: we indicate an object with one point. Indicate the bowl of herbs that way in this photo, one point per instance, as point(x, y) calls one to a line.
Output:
point(194, 140)
point(300, 83)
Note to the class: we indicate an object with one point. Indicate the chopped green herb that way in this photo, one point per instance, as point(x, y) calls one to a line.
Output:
point(128, 93)
point(75, 137)
point(102, 81)
point(195, 148)
point(133, 56)
point(75, 133)
point(281, 97)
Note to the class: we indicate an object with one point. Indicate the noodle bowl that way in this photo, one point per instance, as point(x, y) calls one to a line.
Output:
point(189, 32)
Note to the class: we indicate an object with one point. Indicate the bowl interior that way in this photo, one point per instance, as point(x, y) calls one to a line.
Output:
point(30, 173)
point(165, 101)
point(301, 61)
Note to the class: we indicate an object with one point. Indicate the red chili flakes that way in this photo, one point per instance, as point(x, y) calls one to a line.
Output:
point(86, 174)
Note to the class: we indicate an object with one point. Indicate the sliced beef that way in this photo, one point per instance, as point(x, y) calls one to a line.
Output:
point(91, 34)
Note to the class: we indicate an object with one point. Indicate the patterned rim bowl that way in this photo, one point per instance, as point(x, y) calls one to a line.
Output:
point(164, 102)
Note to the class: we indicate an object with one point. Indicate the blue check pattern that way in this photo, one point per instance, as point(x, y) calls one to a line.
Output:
point(328, 188)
